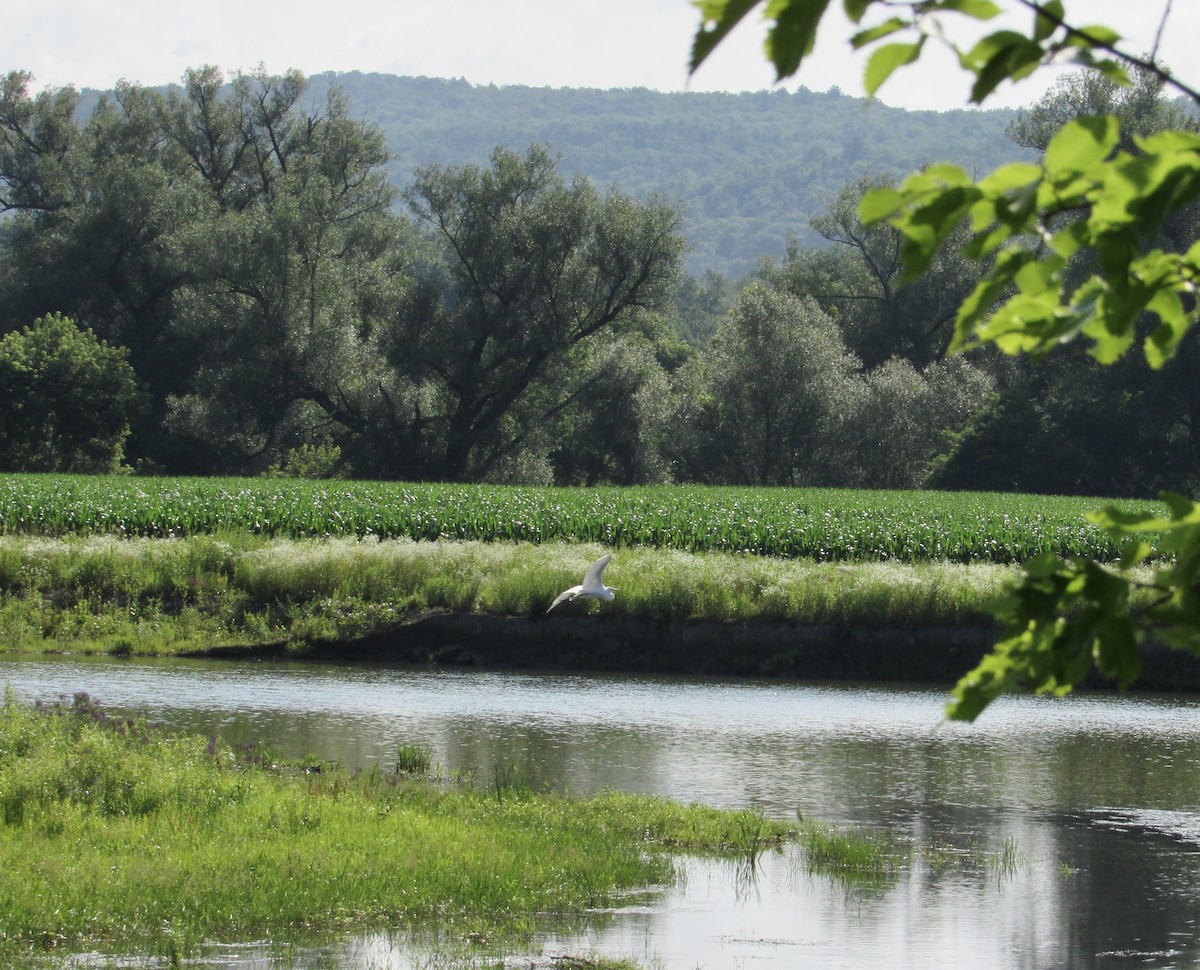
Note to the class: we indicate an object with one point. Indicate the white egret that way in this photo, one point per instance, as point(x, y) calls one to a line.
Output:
point(591, 585)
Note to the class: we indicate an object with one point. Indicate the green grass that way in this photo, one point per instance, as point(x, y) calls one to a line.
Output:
point(851, 854)
point(116, 836)
point(145, 596)
point(818, 524)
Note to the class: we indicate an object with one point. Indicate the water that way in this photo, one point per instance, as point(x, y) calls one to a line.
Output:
point(1095, 800)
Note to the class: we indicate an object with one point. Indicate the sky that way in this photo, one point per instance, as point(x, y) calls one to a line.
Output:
point(539, 43)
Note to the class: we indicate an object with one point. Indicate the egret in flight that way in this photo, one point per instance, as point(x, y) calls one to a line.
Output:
point(591, 585)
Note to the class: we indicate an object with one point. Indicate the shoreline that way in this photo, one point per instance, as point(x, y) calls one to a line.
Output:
point(621, 644)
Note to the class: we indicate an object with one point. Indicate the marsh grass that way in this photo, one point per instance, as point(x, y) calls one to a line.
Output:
point(117, 836)
point(852, 855)
point(413, 759)
point(139, 596)
point(1008, 860)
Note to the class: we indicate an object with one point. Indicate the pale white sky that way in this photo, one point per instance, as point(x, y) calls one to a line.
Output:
point(552, 43)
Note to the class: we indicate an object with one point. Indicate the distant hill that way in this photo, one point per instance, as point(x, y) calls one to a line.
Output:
point(746, 170)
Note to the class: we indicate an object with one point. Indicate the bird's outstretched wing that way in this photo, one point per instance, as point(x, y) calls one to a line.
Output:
point(591, 579)
point(565, 596)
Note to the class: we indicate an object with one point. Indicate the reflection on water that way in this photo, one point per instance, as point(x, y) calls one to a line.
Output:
point(1099, 796)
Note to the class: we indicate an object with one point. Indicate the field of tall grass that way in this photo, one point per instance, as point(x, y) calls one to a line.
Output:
point(104, 594)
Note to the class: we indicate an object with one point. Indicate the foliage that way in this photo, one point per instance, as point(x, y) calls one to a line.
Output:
point(781, 401)
point(1093, 201)
point(249, 254)
point(858, 281)
point(775, 371)
point(529, 271)
point(66, 399)
point(822, 524)
point(294, 265)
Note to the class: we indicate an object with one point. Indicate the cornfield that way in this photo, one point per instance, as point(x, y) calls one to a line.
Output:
point(819, 524)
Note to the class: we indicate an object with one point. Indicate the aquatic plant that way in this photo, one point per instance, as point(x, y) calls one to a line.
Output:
point(413, 759)
point(851, 853)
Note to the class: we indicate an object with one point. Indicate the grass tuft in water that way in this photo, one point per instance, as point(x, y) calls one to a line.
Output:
point(850, 853)
point(413, 759)
point(1006, 861)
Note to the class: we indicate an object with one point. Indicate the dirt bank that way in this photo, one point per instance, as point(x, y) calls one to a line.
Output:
point(601, 642)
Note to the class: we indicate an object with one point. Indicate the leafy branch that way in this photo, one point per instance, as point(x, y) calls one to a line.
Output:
point(1089, 205)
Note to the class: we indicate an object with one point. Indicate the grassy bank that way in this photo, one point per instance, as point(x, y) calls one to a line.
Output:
point(118, 837)
point(141, 596)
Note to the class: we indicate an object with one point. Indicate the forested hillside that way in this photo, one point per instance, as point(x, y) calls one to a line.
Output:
point(745, 170)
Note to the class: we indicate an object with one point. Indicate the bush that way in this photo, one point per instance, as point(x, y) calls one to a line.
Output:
point(66, 399)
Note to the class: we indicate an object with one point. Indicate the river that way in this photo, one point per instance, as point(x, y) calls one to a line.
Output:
point(1050, 833)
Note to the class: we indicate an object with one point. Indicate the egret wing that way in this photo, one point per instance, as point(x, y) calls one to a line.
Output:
point(564, 596)
point(591, 579)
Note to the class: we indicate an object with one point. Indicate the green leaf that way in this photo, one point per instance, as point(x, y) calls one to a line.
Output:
point(1012, 176)
point(1043, 25)
point(1094, 35)
point(1080, 144)
point(718, 18)
point(856, 8)
point(885, 29)
point(887, 59)
point(976, 9)
point(1116, 651)
point(794, 34)
point(880, 204)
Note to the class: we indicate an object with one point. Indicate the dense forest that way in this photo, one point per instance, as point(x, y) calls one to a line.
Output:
point(745, 171)
point(421, 279)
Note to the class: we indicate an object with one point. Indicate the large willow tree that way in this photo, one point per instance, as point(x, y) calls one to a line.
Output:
point(525, 270)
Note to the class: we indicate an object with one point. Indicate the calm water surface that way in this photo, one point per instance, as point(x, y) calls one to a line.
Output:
point(1095, 799)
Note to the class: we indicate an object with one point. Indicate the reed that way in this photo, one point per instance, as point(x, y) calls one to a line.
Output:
point(117, 836)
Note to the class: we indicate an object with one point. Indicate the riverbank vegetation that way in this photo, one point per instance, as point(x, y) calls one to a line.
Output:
point(118, 837)
point(148, 566)
point(131, 565)
point(161, 596)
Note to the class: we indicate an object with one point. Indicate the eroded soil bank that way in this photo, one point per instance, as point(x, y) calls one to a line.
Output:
point(599, 642)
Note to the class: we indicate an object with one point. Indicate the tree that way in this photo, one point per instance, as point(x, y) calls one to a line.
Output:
point(774, 373)
point(524, 270)
point(66, 399)
point(297, 262)
point(858, 281)
point(95, 215)
point(1088, 198)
